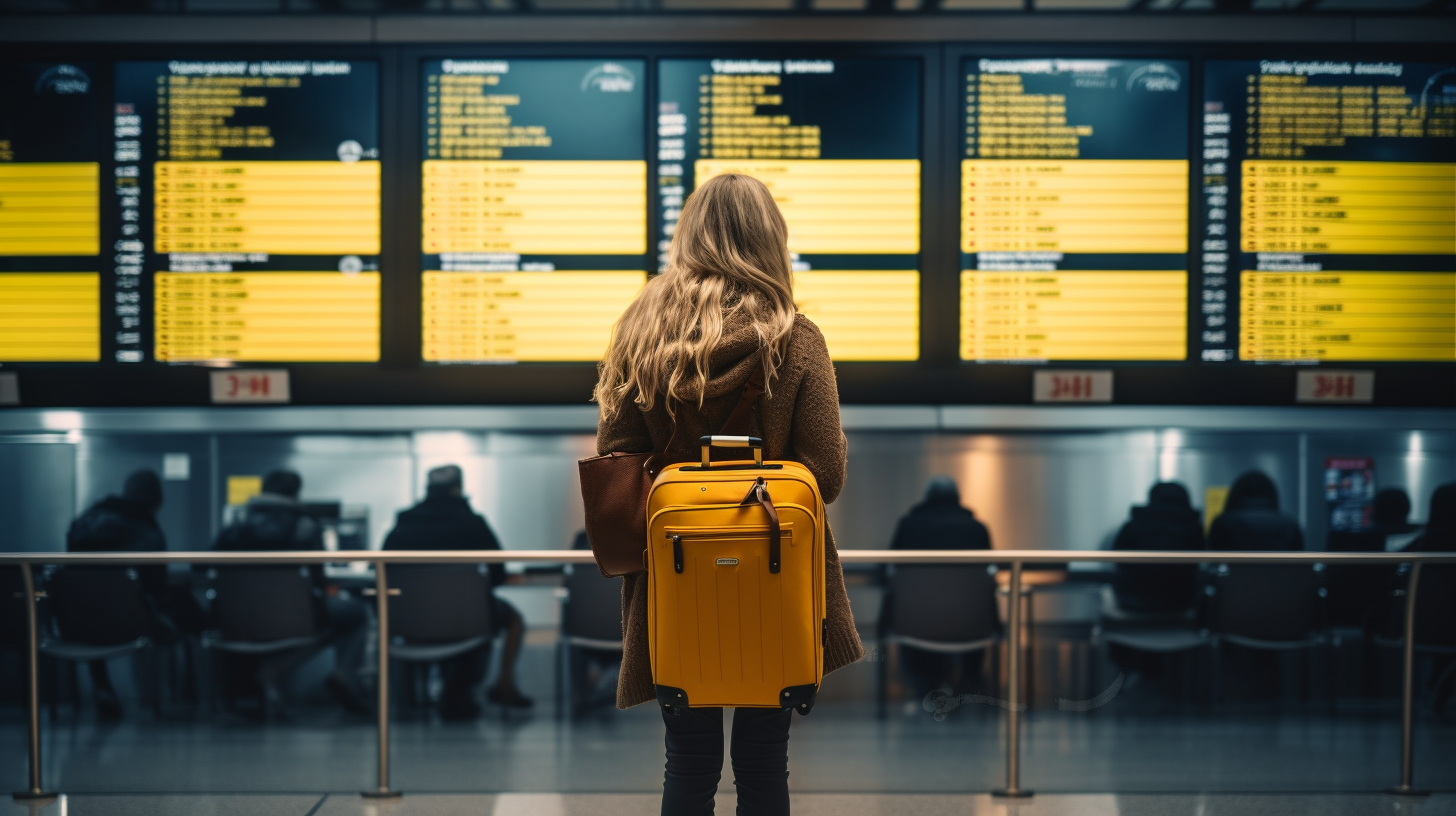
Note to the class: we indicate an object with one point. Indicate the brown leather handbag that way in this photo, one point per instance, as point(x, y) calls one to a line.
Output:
point(614, 490)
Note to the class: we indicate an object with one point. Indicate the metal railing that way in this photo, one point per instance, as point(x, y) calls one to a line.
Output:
point(1015, 558)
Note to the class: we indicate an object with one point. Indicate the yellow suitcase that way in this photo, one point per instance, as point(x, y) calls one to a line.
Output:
point(735, 568)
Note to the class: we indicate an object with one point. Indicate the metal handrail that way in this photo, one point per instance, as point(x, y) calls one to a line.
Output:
point(845, 556)
point(1016, 559)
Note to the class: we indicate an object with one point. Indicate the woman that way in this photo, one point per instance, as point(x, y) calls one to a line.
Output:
point(678, 360)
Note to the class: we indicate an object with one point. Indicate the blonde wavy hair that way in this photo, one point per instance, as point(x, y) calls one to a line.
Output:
point(729, 255)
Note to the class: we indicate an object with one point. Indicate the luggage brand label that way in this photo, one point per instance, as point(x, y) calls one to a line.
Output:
point(727, 562)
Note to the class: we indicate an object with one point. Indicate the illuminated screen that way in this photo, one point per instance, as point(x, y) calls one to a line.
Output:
point(249, 211)
point(1329, 208)
point(50, 223)
point(1074, 210)
point(535, 207)
point(837, 142)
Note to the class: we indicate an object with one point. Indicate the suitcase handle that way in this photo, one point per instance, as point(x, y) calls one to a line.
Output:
point(710, 442)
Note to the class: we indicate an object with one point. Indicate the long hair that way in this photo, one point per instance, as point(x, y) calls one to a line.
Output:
point(729, 256)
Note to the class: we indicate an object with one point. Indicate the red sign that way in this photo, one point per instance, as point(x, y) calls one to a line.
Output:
point(1335, 386)
point(1072, 386)
point(244, 385)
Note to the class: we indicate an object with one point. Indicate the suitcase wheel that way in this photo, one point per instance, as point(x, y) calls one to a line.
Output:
point(799, 698)
point(672, 699)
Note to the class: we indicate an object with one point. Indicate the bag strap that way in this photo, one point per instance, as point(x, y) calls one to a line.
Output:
point(737, 422)
point(758, 494)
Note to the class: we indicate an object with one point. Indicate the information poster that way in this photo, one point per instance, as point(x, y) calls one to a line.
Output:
point(1350, 493)
point(837, 143)
point(50, 222)
point(249, 211)
point(1074, 210)
point(535, 207)
point(1329, 211)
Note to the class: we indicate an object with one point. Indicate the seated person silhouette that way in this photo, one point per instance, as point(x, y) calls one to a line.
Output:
point(445, 521)
point(938, 522)
point(1167, 522)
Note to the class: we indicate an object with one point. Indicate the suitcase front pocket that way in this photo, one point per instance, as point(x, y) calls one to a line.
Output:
point(729, 539)
point(729, 631)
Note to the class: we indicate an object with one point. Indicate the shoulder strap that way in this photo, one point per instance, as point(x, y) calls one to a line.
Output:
point(737, 422)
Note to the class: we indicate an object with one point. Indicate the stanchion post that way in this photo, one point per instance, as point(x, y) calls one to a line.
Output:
point(381, 608)
point(1013, 697)
point(32, 646)
point(1407, 691)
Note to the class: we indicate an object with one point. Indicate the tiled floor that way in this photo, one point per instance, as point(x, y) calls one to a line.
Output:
point(619, 804)
point(838, 748)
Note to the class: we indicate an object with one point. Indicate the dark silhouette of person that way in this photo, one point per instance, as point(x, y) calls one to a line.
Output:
point(1357, 590)
point(1436, 595)
point(276, 521)
point(1389, 517)
point(938, 522)
point(1440, 532)
point(1167, 522)
point(124, 523)
point(1251, 519)
point(445, 521)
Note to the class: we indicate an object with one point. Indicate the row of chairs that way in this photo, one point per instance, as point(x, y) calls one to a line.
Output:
point(437, 612)
point(952, 610)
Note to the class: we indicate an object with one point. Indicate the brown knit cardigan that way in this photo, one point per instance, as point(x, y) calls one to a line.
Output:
point(798, 420)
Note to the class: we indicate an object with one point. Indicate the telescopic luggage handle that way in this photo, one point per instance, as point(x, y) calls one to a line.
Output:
point(710, 442)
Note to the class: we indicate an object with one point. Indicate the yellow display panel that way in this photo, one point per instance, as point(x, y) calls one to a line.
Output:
point(1368, 316)
point(1076, 315)
point(536, 207)
point(524, 316)
point(1074, 205)
point(838, 206)
point(50, 208)
point(1384, 208)
point(50, 317)
point(282, 317)
point(279, 208)
point(864, 315)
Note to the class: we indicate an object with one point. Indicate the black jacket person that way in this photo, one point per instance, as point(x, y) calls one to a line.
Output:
point(1167, 522)
point(275, 521)
point(1251, 519)
point(445, 521)
point(125, 523)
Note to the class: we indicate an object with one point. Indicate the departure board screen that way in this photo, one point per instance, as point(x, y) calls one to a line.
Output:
point(535, 207)
point(1074, 210)
point(837, 143)
point(50, 222)
point(249, 211)
point(1329, 205)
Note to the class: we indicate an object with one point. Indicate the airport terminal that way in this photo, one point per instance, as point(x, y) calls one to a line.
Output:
point(517, 407)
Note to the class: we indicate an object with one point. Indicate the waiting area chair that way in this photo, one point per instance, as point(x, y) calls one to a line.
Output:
point(438, 612)
point(942, 609)
point(1435, 624)
point(1268, 608)
point(99, 614)
point(267, 612)
point(591, 626)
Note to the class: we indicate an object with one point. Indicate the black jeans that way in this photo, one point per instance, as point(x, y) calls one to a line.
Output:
point(695, 761)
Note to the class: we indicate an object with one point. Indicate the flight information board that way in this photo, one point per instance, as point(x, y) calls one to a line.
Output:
point(1329, 205)
point(535, 207)
point(249, 211)
point(1074, 210)
point(837, 142)
point(50, 222)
